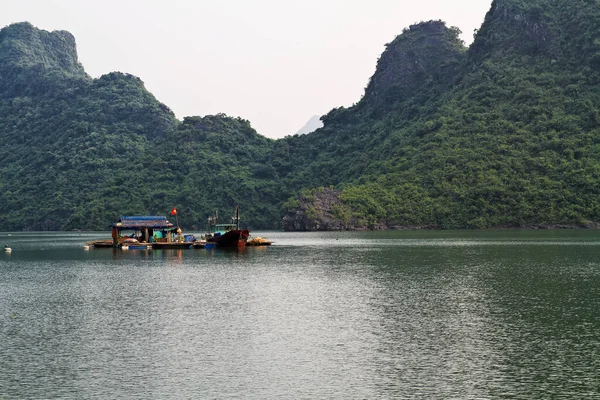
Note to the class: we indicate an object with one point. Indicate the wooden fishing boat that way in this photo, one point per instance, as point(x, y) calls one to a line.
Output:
point(227, 235)
point(101, 243)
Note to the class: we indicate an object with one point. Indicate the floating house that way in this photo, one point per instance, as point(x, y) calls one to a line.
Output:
point(145, 232)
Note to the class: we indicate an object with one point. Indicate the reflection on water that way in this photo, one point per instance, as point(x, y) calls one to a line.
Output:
point(469, 315)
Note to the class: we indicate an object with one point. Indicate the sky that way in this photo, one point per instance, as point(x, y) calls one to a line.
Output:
point(276, 63)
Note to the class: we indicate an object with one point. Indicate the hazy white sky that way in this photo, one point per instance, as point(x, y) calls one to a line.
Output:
point(274, 62)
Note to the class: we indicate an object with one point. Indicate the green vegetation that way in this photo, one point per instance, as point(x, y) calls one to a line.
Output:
point(504, 133)
point(508, 135)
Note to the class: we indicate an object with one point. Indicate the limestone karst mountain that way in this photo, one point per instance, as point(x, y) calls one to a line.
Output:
point(503, 133)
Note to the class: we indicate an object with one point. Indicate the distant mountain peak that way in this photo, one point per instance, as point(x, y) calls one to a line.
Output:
point(312, 125)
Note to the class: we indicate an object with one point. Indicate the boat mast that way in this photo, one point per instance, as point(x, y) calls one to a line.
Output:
point(237, 216)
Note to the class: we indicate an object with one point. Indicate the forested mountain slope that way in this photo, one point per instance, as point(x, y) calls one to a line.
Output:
point(79, 152)
point(503, 133)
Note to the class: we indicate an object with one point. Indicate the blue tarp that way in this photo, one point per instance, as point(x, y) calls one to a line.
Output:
point(136, 222)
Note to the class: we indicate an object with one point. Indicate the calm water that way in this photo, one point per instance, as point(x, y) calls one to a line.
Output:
point(392, 315)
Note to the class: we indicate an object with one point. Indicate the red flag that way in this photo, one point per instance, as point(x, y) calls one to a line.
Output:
point(174, 211)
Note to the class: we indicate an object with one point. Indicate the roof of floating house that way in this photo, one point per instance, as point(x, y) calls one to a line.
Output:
point(137, 222)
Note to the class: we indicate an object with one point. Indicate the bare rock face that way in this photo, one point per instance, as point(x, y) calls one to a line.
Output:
point(317, 211)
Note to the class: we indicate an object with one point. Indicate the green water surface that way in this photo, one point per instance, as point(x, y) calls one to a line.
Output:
point(352, 315)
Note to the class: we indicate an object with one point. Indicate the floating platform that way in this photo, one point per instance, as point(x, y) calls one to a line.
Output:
point(143, 246)
point(137, 246)
point(172, 245)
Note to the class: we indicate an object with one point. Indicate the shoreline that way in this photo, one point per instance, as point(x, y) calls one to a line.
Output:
point(590, 226)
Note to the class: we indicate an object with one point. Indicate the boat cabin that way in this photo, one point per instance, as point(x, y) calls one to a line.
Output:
point(144, 229)
point(221, 229)
point(214, 228)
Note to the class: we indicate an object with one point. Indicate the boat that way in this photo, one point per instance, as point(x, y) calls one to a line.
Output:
point(101, 243)
point(145, 232)
point(199, 244)
point(226, 235)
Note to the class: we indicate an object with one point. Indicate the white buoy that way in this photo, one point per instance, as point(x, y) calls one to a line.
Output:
point(86, 247)
point(124, 247)
point(7, 249)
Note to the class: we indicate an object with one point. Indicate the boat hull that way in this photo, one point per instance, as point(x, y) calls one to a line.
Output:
point(233, 238)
